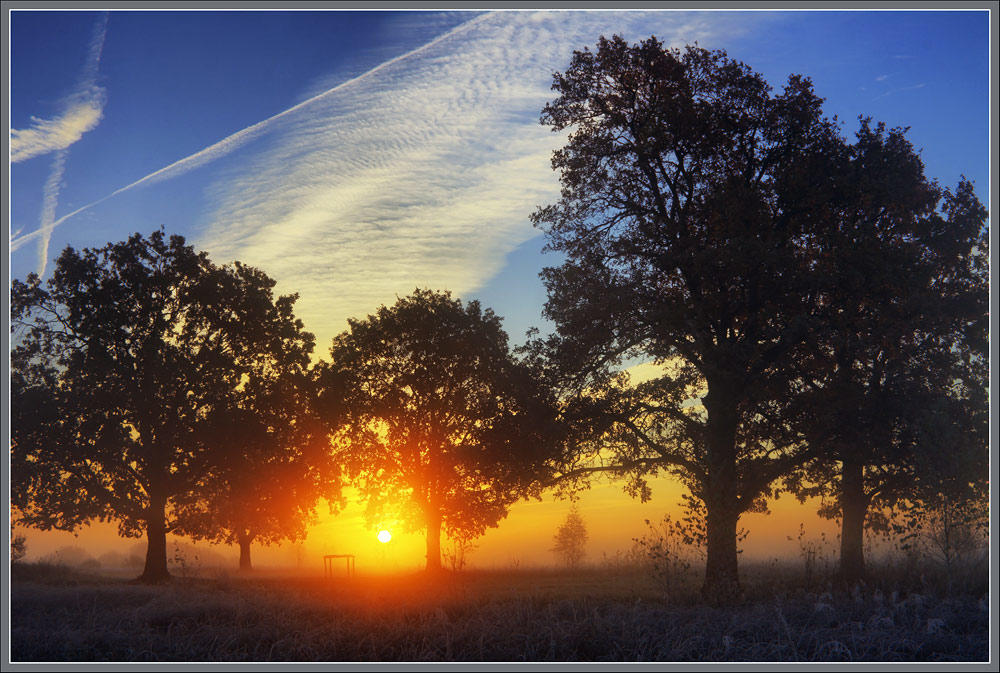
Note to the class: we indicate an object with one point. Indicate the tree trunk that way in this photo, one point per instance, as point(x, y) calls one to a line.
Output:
point(854, 508)
point(155, 571)
point(722, 581)
point(244, 540)
point(434, 540)
point(722, 584)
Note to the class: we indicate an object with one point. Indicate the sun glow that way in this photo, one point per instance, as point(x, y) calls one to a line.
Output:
point(384, 536)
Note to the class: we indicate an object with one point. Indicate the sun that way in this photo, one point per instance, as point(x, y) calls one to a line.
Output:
point(384, 536)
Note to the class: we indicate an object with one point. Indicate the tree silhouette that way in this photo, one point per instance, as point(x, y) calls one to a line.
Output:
point(36, 481)
point(270, 460)
point(690, 197)
point(895, 389)
point(571, 539)
point(131, 349)
point(18, 546)
point(439, 417)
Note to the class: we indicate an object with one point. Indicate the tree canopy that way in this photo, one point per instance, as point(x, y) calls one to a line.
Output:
point(793, 287)
point(269, 459)
point(690, 197)
point(440, 419)
point(894, 385)
point(132, 350)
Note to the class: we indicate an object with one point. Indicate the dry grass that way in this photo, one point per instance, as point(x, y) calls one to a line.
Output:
point(527, 615)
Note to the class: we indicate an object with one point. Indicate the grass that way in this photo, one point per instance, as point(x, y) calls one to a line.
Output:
point(592, 614)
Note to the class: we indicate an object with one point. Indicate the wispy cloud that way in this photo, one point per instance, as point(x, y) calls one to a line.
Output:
point(900, 90)
point(423, 176)
point(228, 144)
point(83, 112)
point(50, 200)
point(420, 172)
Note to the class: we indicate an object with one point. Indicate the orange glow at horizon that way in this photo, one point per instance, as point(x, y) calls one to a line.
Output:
point(523, 539)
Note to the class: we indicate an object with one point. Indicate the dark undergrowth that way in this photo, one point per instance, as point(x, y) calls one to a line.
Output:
point(587, 615)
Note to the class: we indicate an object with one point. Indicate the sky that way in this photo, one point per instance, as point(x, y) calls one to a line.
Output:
point(354, 156)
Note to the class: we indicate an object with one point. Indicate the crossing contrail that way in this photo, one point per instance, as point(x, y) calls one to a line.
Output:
point(240, 138)
point(87, 88)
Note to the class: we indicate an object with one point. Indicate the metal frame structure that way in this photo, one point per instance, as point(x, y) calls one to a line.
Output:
point(328, 564)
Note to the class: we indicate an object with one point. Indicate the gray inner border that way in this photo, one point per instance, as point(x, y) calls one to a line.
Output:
point(257, 5)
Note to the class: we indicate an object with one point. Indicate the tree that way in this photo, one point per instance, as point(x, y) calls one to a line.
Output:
point(270, 460)
point(18, 547)
point(130, 350)
point(895, 389)
point(571, 539)
point(690, 196)
point(439, 417)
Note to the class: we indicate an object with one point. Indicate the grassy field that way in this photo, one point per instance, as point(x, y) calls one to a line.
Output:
point(594, 614)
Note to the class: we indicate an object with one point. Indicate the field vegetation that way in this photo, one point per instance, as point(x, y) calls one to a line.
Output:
point(627, 607)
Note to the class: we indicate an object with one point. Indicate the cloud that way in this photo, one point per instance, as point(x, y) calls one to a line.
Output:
point(424, 176)
point(50, 199)
point(84, 110)
point(225, 146)
point(82, 114)
point(900, 90)
point(420, 172)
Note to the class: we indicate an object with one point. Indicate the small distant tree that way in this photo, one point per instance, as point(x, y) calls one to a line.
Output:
point(571, 539)
point(18, 547)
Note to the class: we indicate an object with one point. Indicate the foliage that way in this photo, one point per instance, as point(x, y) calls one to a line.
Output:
point(674, 545)
point(73, 557)
point(116, 559)
point(455, 552)
point(270, 460)
point(125, 357)
point(950, 532)
point(956, 534)
point(18, 547)
point(668, 545)
point(440, 422)
point(813, 552)
point(691, 196)
point(894, 389)
point(570, 542)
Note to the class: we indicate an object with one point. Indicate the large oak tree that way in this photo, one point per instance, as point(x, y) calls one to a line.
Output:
point(269, 462)
point(894, 386)
point(691, 197)
point(442, 426)
point(132, 349)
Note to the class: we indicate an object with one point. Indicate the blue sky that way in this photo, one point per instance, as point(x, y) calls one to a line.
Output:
point(356, 155)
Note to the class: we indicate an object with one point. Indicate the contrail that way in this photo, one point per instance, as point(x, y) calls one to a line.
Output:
point(240, 138)
point(50, 199)
point(50, 192)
